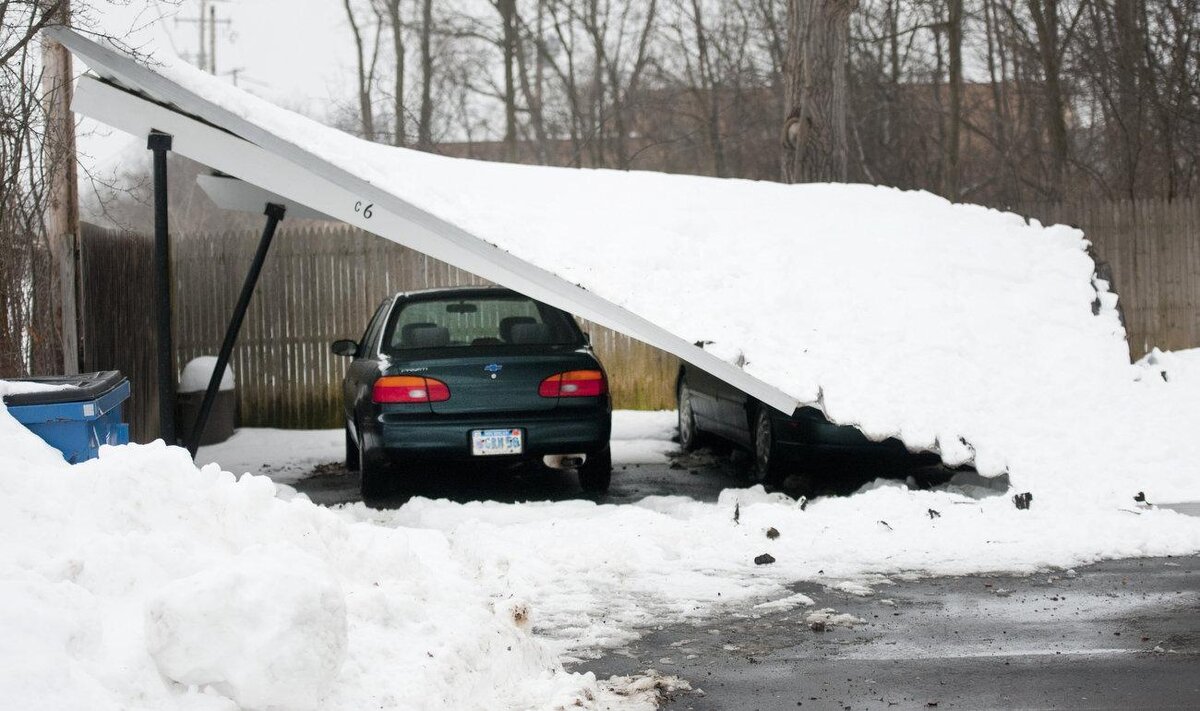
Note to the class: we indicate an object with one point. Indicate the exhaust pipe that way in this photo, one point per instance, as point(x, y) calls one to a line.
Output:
point(564, 461)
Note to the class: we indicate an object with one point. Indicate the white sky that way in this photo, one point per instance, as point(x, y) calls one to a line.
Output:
point(296, 53)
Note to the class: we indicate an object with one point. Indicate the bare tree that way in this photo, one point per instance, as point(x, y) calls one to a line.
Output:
point(816, 147)
point(508, 46)
point(32, 148)
point(996, 101)
point(396, 24)
point(954, 40)
point(366, 59)
point(425, 121)
point(533, 89)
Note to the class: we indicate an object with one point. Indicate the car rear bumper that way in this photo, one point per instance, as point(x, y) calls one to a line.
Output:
point(448, 437)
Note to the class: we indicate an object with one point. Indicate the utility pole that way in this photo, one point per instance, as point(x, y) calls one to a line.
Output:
point(212, 39)
point(62, 190)
point(206, 22)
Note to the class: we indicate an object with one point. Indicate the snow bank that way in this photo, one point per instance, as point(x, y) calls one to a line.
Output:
point(595, 573)
point(136, 581)
point(643, 436)
point(1179, 367)
point(266, 628)
point(956, 328)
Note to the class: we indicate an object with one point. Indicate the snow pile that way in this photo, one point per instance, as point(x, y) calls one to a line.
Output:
point(956, 328)
point(265, 628)
point(643, 436)
point(136, 581)
point(1179, 367)
point(197, 373)
point(595, 573)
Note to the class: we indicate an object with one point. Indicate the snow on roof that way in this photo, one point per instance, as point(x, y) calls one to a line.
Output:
point(959, 329)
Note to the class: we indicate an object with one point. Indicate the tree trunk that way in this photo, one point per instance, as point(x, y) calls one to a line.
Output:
point(1129, 40)
point(425, 126)
point(950, 167)
point(393, 10)
point(508, 16)
point(710, 91)
point(364, 79)
point(62, 192)
point(816, 146)
point(531, 91)
point(1045, 21)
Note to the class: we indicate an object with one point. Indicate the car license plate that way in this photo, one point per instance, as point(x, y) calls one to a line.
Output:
point(489, 442)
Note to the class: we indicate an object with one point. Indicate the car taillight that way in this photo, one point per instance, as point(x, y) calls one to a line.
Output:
point(409, 388)
point(574, 383)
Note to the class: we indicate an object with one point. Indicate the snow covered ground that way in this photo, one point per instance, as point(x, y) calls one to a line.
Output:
point(594, 573)
point(139, 581)
point(286, 456)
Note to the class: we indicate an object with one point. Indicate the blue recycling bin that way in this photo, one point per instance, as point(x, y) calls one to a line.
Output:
point(78, 417)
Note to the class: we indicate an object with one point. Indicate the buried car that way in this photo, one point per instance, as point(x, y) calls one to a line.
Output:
point(802, 444)
point(479, 374)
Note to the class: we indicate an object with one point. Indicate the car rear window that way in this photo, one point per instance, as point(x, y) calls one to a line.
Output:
point(487, 320)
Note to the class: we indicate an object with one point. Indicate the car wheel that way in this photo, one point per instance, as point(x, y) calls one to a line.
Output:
point(372, 484)
point(767, 465)
point(689, 436)
point(596, 473)
point(351, 451)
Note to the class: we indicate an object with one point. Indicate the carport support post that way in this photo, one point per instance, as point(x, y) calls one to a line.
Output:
point(274, 215)
point(160, 144)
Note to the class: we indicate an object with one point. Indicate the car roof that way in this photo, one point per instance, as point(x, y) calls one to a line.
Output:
point(457, 292)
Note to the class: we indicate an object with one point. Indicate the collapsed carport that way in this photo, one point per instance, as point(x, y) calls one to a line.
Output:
point(958, 329)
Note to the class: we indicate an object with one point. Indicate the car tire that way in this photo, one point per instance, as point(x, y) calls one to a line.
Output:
point(372, 482)
point(351, 451)
point(767, 467)
point(689, 436)
point(596, 473)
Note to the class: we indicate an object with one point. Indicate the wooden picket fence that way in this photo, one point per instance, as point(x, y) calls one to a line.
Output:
point(1153, 248)
point(322, 281)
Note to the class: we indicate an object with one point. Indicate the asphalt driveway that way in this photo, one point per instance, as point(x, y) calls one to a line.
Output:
point(1116, 635)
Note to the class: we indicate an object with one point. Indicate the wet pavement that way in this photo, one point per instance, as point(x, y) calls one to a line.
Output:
point(1117, 635)
point(701, 475)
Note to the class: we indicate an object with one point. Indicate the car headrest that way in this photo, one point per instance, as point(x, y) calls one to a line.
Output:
point(407, 329)
point(531, 333)
point(507, 324)
point(428, 337)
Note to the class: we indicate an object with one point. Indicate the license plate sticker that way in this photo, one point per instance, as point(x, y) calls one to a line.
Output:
point(486, 443)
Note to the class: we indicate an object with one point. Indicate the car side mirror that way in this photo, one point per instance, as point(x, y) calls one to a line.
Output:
point(344, 347)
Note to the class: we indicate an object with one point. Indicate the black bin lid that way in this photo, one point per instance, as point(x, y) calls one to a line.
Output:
point(79, 388)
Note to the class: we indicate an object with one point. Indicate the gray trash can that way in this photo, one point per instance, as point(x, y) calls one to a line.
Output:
point(222, 419)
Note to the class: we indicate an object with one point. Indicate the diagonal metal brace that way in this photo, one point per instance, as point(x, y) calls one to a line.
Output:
point(274, 213)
